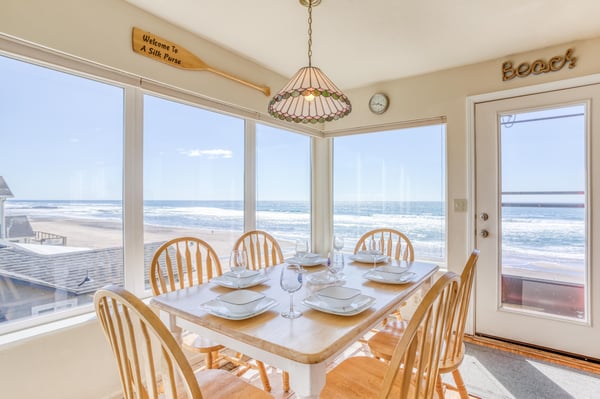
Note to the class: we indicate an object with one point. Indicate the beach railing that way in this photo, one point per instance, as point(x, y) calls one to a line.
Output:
point(43, 238)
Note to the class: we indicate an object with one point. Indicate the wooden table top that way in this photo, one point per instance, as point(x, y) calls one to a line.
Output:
point(312, 338)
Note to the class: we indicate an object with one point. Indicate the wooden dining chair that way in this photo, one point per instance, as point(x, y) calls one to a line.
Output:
point(394, 243)
point(382, 343)
point(263, 252)
point(151, 364)
point(184, 262)
point(412, 371)
point(262, 249)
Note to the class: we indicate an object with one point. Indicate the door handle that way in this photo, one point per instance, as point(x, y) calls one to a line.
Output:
point(484, 233)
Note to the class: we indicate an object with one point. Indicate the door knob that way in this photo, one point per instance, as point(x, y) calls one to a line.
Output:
point(483, 216)
point(484, 233)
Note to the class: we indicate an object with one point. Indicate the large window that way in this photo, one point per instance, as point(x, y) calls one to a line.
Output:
point(283, 185)
point(60, 189)
point(193, 175)
point(392, 179)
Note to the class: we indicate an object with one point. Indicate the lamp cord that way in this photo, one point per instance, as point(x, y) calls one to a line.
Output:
point(310, 33)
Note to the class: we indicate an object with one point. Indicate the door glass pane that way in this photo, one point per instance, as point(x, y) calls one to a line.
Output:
point(392, 179)
point(193, 176)
point(543, 223)
point(283, 185)
point(61, 162)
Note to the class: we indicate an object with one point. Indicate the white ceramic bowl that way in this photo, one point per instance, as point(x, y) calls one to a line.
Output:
point(338, 296)
point(241, 301)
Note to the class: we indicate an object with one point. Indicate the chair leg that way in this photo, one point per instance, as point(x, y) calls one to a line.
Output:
point(460, 384)
point(439, 387)
point(286, 381)
point(263, 376)
point(209, 360)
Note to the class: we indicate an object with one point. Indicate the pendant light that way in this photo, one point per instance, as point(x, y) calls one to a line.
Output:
point(310, 96)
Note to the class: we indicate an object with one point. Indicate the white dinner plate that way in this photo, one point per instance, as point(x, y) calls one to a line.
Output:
point(388, 275)
point(307, 262)
point(360, 304)
point(229, 280)
point(369, 258)
point(220, 309)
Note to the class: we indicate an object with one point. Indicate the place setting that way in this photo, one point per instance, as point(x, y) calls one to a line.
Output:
point(239, 305)
point(390, 274)
point(373, 255)
point(304, 257)
point(334, 273)
point(239, 276)
point(339, 300)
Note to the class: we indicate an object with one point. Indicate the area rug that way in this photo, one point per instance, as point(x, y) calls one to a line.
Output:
point(495, 374)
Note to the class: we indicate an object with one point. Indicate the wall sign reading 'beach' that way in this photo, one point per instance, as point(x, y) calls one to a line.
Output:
point(165, 51)
point(538, 66)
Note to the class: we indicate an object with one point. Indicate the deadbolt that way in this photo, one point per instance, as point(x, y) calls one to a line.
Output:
point(484, 233)
point(483, 216)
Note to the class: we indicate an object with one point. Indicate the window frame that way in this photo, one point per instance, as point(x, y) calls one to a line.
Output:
point(135, 87)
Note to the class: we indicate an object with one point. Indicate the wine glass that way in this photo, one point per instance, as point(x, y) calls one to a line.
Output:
point(338, 243)
point(238, 262)
point(336, 265)
point(291, 281)
point(301, 250)
point(374, 249)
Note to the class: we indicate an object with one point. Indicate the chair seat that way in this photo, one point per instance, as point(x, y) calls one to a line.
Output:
point(196, 343)
point(383, 342)
point(217, 384)
point(357, 377)
point(450, 363)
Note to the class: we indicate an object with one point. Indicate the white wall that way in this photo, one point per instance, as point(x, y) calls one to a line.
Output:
point(76, 362)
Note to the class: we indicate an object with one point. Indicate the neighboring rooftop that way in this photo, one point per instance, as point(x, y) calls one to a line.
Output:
point(75, 272)
point(4, 190)
point(18, 227)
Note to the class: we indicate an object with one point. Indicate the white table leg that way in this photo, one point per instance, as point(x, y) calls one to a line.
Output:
point(307, 380)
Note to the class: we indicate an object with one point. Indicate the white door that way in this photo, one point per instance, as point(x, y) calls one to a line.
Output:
point(538, 278)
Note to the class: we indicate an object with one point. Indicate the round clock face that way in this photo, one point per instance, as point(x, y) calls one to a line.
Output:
point(378, 103)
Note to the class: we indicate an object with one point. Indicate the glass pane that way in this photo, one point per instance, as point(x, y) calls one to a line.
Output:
point(193, 175)
point(283, 185)
point(543, 211)
point(61, 163)
point(392, 179)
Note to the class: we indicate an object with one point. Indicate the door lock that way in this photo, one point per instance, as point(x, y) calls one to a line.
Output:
point(484, 233)
point(483, 216)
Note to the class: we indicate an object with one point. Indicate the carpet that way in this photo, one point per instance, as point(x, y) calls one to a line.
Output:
point(495, 374)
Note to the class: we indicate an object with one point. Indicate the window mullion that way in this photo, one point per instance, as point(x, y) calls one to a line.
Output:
point(133, 195)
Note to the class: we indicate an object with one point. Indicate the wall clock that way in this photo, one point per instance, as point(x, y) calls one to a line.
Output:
point(379, 103)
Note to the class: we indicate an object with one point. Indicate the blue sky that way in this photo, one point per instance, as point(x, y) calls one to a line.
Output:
point(62, 138)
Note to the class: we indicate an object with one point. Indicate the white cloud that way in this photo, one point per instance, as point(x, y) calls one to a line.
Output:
point(210, 154)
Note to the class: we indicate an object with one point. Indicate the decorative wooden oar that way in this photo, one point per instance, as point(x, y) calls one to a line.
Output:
point(163, 50)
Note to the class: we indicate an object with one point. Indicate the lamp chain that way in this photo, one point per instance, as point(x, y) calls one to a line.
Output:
point(310, 33)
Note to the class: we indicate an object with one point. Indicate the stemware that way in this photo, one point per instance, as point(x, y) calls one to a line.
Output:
point(374, 249)
point(238, 261)
point(336, 266)
point(338, 243)
point(301, 250)
point(291, 281)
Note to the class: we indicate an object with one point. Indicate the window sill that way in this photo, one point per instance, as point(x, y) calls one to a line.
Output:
point(22, 336)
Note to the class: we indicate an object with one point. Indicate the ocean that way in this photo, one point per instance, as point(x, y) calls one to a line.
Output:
point(530, 235)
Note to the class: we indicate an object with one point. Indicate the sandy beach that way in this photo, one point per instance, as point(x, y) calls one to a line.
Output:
point(92, 233)
point(89, 233)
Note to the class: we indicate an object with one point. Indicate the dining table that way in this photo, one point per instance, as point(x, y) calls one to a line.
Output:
point(304, 346)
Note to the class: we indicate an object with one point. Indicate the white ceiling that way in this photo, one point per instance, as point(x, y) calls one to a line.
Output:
point(357, 43)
